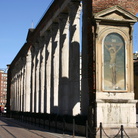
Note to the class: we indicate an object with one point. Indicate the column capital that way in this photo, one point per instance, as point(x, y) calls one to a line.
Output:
point(54, 26)
point(28, 56)
point(74, 8)
point(55, 30)
point(64, 21)
point(47, 36)
point(63, 16)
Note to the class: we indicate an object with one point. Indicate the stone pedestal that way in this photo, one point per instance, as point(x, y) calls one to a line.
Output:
point(114, 113)
point(116, 109)
point(115, 102)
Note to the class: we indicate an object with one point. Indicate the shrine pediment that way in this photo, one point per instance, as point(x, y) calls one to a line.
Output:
point(116, 13)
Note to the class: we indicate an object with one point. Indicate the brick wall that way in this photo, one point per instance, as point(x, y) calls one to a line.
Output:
point(130, 5)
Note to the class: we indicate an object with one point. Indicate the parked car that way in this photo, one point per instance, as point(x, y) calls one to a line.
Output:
point(5, 110)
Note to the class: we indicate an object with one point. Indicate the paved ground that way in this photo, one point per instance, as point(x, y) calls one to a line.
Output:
point(11, 128)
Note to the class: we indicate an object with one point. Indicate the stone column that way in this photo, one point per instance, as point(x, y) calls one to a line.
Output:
point(48, 72)
point(64, 63)
point(12, 94)
point(19, 101)
point(42, 69)
point(20, 90)
point(74, 16)
point(21, 106)
point(24, 87)
point(55, 66)
point(23, 90)
point(33, 80)
point(15, 102)
point(15, 88)
point(19, 87)
point(37, 79)
point(17, 93)
point(12, 90)
point(28, 81)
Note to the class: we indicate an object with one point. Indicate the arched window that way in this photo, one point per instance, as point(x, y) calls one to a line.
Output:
point(114, 69)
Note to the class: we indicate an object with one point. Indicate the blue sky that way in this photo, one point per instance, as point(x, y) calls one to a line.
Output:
point(16, 18)
point(135, 37)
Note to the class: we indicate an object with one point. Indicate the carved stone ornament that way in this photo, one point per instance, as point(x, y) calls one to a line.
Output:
point(116, 14)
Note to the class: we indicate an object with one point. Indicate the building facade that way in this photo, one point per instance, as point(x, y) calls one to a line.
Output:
point(69, 68)
point(3, 88)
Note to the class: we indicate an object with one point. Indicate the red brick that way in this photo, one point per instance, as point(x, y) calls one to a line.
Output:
point(129, 5)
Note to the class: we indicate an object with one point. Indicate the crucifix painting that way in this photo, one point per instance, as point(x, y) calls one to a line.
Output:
point(114, 62)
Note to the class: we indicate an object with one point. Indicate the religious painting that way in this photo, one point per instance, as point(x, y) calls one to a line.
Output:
point(114, 63)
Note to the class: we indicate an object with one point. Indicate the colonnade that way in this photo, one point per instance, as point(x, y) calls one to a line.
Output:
point(47, 78)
